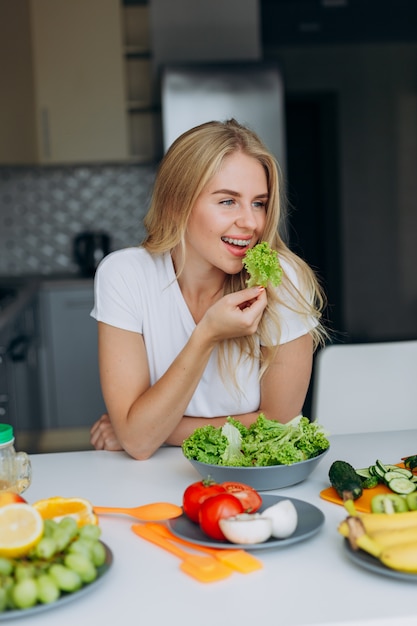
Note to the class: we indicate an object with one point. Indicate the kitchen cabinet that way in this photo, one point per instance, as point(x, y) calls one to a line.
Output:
point(143, 109)
point(63, 82)
point(71, 390)
point(19, 372)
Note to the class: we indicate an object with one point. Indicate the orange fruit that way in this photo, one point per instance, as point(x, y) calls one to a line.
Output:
point(58, 507)
point(8, 497)
point(21, 527)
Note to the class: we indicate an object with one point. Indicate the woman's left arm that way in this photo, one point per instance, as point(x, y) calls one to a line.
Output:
point(283, 390)
point(285, 384)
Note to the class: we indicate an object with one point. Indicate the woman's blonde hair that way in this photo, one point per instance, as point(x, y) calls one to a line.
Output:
point(189, 164)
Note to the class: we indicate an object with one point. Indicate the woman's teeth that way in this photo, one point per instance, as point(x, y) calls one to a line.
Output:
point(237, 242)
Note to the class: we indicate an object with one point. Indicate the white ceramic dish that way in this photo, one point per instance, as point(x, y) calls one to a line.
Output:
point(310, 520)
point(65, 598)
point(260, 478)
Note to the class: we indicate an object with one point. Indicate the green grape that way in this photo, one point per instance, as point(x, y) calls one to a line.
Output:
point(65, 578)
point(81, 546)
point(82, 565)
point(70, 525)
point(7, 584)
point(47, 589)
point(3, 599)
point(46, 548)
point(25, 593)
point(90, 531)
point(98, 554)
point(23, 571)
point(6, 566)
point(49, 526)
point(62, 538)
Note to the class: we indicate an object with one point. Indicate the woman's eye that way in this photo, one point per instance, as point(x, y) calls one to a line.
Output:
point(227, 202)
point(259, 205)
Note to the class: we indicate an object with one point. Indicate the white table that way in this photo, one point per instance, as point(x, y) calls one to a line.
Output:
point(312, 582)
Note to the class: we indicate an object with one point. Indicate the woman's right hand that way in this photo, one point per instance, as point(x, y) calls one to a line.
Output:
point(237, 314)
point(103, 436)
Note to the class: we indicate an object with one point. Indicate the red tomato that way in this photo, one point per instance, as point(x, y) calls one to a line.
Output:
point(196, 494)
point(249, 497)
point(215, 508)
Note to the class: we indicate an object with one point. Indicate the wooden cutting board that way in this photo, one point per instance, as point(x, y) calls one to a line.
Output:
point(362, 504)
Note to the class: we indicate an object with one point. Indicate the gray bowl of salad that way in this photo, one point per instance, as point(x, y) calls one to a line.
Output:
point(266, 455)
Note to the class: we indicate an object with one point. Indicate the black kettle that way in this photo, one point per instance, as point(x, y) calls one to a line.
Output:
point(89, 249)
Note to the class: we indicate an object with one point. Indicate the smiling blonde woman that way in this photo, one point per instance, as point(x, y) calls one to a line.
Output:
point(182, 340)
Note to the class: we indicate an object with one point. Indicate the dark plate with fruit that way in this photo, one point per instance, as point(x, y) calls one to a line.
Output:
point(10, 614)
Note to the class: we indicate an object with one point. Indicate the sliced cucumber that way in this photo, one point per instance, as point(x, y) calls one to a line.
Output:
point(402, 486)
point(399, 479)
point(378, 472)
point(390, 475)
point(379, 464)
point(402, 470)
point(363, 472)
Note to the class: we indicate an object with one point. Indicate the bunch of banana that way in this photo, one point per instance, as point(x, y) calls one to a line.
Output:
point(391, 538)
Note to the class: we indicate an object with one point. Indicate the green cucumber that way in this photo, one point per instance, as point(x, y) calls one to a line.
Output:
point(402, 486)
point(381, 466)
point(345, 480)
point(370, 483)
point(401, 470)
point(364, 472)
point(410, 462)
point(393, 474)
point(378, 472)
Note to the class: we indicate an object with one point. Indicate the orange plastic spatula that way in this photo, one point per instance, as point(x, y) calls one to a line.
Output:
point(205, 569)
point(236, 558)
point(154, 512)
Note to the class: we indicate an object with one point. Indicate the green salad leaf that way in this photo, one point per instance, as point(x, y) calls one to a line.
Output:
point(262, 265)
point(265, 442)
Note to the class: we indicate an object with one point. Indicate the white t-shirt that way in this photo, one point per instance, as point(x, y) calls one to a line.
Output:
point(139, 292)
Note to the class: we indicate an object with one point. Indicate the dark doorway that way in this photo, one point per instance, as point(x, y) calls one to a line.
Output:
point(313, 195)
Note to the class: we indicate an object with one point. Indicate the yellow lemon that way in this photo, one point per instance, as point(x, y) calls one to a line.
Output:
point(58, 507)
point(21, 527)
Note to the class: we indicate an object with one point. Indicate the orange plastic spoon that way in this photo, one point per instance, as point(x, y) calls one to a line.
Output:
point(154, 512)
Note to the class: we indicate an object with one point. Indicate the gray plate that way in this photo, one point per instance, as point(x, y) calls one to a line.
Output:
point(372, 564)
point(310, 520)
point(64, 598)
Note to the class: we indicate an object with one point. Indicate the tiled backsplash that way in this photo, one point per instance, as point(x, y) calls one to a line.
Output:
point(43, 208)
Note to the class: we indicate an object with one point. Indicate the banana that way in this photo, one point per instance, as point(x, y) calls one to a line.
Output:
point(401, 557)
point(393, 536)
point(383, 521)
point(359, 538)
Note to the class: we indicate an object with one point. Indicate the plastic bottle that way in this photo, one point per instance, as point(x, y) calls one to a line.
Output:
point(15, 467)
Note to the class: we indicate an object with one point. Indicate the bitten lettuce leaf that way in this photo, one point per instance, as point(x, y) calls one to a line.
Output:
point(263, 266)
